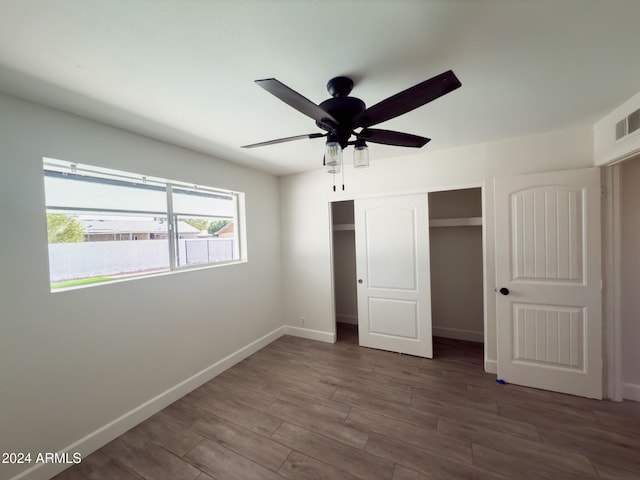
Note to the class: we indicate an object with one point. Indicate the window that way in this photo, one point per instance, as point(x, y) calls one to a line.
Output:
point(106, 224)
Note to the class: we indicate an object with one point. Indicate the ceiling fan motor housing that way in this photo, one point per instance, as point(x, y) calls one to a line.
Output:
point(343, 109)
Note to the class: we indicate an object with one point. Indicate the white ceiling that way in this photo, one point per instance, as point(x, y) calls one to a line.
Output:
point(183, 71)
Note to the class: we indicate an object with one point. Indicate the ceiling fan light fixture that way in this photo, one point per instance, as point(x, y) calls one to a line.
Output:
point(360, 154)
point(333, 153)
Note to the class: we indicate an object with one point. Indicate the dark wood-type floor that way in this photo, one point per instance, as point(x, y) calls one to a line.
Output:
point(300, 409)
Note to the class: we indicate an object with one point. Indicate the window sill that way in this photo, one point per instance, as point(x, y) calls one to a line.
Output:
point(129, 278)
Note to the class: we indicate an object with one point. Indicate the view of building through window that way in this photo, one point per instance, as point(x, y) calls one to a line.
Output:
point(105, 224)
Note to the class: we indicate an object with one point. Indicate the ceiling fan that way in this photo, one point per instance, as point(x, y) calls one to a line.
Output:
point(343, 117)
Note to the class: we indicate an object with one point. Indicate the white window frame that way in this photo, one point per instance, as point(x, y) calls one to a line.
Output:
point(109, 174)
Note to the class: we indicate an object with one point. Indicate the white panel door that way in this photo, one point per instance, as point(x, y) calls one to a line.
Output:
point(549, 317)
point(392, 262)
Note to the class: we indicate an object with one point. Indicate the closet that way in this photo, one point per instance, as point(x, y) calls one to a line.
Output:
point(344, 263)
point(455, 238)
point(455, 221)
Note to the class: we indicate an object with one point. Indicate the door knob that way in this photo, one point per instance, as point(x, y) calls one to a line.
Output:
point(359, 280)
point(504, 291)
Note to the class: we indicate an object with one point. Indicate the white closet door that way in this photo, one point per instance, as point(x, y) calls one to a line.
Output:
point(549, 281)
point(392, 262)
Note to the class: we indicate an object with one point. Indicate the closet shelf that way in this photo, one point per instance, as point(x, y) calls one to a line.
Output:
point(456, 222)
point(343, 227)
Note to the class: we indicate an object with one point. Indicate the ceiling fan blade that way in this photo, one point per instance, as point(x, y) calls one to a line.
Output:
point(287, 139)
point(408, 100)
point(297, 101)
point(389, 137)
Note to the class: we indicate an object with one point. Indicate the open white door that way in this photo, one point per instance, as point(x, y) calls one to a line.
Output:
point(548, 272)
point(392, 263)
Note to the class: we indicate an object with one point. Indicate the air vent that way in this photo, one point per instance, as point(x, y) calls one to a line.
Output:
point(628, 125)
point(633, 121)
point(621, 128)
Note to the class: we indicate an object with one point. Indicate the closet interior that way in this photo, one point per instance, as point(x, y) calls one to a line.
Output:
point(455, 238)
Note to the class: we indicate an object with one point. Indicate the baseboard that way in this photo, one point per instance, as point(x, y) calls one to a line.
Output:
point(490, 366)
point(327, 337)
point(112, 430)
point(344, 318)
point(631, 391)
point(458, 334)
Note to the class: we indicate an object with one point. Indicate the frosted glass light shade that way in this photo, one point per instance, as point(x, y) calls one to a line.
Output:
point(333, 154)
point(333, 168)
point(361, 156)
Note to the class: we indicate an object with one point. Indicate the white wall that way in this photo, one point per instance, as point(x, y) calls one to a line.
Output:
point(71, 362)
point(630, 278)
point(306, 220)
